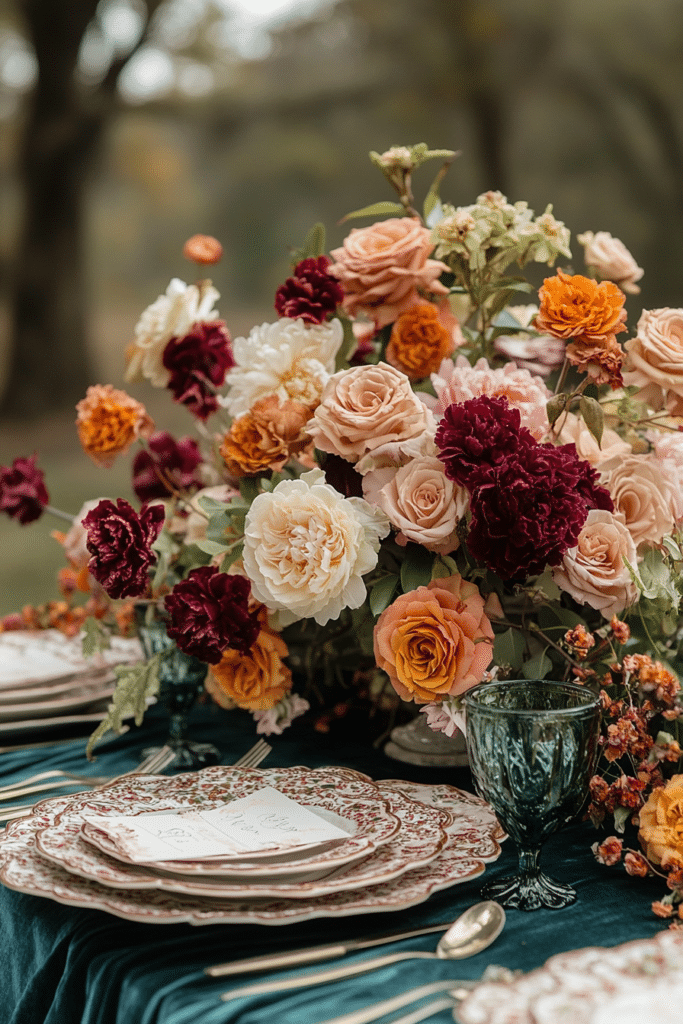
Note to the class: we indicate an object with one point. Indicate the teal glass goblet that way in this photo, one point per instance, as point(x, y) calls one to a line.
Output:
point(533, 747)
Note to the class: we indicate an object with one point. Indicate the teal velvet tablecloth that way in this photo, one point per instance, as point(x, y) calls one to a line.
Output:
point(63, 965)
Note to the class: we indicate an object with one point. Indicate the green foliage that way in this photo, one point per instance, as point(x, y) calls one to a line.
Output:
point(382, 594)
point(416, 569)
point(135, 685)
point(96, 637)
point(509, 649)
point(385, 208)
point(314, 244)
point(593, 416)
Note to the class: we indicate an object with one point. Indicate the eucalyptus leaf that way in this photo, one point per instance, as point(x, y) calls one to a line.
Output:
point(212, 505)
point(382, 594)
point(538, 666)
point(509, 648)
point(383, 208)
point(232, 557)
point(248, 488)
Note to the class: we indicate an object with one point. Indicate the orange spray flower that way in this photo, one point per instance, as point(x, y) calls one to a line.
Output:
point(265, 437)
point(108, 423)
point(419, 341)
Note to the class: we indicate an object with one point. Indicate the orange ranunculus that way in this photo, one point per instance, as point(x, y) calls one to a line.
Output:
point(419, 342)
point(265, 437)
point(108, 423)
point(256, 680)
point(435, 641)
point(661, 825)
point(578, 307)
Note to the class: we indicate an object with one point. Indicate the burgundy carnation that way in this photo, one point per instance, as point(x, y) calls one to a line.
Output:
point(475, 436)
point(311, 293)
point(210, 612)
point(120, 543)
point(529, 511)
point(198, 363)
point(589, 488)
point(342, 475)
point(167, 460)
point(23, 494)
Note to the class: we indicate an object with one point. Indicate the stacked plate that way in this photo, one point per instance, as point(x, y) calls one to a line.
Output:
point(405, 842)
point(46, 683)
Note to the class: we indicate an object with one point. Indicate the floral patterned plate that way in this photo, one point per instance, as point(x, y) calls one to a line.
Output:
point(638, 982)
point(37, 657)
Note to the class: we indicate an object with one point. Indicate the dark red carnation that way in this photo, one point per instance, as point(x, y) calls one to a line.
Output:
point(475, 436)
point(23, 494)
point(589, 487)
point(120, 543)
point(210, 612)
point(311, 293)
point(342, 475)
point(167, 466)
point(198, 363)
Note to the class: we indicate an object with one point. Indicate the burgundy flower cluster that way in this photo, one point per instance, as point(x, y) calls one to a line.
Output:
point(166, 466)
point(311, 293)
point(23, 494)
point(209, 612)
point(198, 363)
point(529, 501)
point(120, 543)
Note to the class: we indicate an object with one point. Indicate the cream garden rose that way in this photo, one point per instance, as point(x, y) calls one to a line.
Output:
point(171, 316)
point(609, 257)
point(655, 355)
point(642, 495)
point(289, 359)
point(366, 408)
point(307, 548)
point(594, 572)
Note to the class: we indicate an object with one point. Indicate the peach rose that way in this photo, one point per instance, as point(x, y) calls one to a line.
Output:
point(655, 355)
point(365, 408)
point(574, 430)
point(434, 641)
point(643, 496)
point(382, 267)
point(108, 423)
point(420, 501)
point(668, 449)
point(661, 825)
point(256, 680)
point(594, 572)
point(610, 259)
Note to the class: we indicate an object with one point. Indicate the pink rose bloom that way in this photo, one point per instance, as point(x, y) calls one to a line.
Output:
point(76, 538)
point(420, 501)
point(435, 641)
point(445, 716)
point(610, 259)
point(364, 408)
point(643, 496)
point(383, 268)
point(655, 355)
point(273, 721)
point(668, 449)
point(574, 430)
point(594, 572)
point(460, 382)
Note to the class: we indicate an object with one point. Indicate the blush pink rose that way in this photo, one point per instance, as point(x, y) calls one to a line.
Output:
point(655, 355)
point(435, 641)
point(365, 408)
point(594, 572)
point(642, 495)
point(609, 257)
point(383, 268)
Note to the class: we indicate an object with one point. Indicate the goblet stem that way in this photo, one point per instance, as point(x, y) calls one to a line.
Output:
point(530, 889)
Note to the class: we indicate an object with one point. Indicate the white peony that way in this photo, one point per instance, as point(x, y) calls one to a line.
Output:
point(288, 359)
point(172, 316)
point(306, 548)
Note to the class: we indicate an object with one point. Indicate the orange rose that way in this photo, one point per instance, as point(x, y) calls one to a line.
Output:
point(256, 680)
point(265, 437)
point(435, 641)
point(661, 825)
point(381, 268)
point(419, 342)
point(108, 423)
point(578, 307)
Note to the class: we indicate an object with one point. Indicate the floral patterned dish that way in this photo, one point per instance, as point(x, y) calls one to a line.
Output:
point(37, 657)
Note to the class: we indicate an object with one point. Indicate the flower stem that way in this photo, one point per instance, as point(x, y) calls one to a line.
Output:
point(58, 512)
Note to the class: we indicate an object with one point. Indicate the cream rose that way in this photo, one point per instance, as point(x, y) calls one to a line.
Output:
point(420, 501)
point(642, 495)
point(76, 537)
point(384, 266)
point(655, 355)
point(594, 572)
point(609, 257)
point(668, 449)
point(171, 316)
point(306, 548)
point(574, 431)
point(365, 408)
point(288, 358)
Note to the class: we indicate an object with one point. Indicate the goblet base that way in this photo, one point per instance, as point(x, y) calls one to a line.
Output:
point(188, 755)
point(530, 893)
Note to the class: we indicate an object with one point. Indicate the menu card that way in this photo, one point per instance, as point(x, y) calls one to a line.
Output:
point(265, 820)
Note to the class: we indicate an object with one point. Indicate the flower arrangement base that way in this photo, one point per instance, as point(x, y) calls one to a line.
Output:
point(416, 743)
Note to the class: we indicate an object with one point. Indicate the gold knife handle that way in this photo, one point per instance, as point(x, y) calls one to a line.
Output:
point(292, 958)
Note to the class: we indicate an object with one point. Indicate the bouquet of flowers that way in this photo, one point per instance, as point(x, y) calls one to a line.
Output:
point(409, 481)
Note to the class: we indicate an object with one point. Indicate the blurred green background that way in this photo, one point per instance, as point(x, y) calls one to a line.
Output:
point(126, 126)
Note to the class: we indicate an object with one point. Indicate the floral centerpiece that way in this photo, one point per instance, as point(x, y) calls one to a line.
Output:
point(412, 479)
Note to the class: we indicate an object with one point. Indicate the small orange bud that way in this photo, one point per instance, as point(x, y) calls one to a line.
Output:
point(202, 249)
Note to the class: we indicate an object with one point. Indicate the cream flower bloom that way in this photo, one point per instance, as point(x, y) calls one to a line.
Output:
point(594, 572)
point(460, 382)
point(574, 430)
point(609, 257)
point(641, 493)
point(306, 548)
point(655, 355)
point(171, 316)
point(287, 358)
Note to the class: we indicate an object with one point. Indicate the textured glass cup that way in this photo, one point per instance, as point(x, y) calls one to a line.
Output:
point(533, 746)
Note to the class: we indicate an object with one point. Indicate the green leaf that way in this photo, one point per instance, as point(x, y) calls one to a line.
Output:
point(232, 557)
point(555, 407)
point(210, 547)
point(348, 346)
point(547, 586)
point(211, 505)
point(673, 548)
point(382, 593)
point(621, 816)
point(248, 488)
point(135, 685)
point(383, 208)
point(509, 648)
point(416, 570)
point(218, 529)
point(538, 666)
point(96, 637)
point(507, 320)
point(593, 416)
